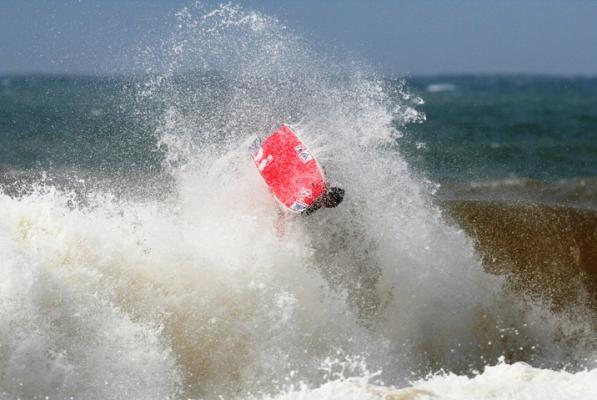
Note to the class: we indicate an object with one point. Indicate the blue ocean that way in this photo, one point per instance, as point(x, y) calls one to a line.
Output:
point(141, 259)
point(529, 137)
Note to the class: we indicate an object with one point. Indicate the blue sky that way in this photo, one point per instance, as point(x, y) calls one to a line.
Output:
point(408, 37)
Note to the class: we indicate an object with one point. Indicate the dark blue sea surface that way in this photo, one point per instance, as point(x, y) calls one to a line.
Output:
point(72, 122)
point(484, 137)
point(500, 127)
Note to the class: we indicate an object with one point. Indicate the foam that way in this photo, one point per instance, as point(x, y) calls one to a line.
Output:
point(192, 293)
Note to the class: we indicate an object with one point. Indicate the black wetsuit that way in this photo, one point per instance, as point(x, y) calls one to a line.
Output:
point(330, 199)
point(313, 207)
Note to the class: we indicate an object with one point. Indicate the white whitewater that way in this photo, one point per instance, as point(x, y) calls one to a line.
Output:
point(193, 294)
point(500, 382)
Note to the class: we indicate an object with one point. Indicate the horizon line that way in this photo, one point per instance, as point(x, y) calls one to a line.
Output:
point(392, 75)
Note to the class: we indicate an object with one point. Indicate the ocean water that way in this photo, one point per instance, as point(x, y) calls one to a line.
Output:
point(530, 138)
point(140, 257)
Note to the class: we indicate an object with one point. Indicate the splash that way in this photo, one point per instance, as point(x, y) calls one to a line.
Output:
point(191, 293)
point(502, 381)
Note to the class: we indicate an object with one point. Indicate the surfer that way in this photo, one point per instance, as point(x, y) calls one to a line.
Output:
point(292, 173)
point(332, 197)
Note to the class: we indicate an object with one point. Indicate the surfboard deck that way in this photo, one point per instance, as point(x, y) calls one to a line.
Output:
point(289, 170)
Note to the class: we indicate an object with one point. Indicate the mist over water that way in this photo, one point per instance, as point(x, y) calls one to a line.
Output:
point(183, 289)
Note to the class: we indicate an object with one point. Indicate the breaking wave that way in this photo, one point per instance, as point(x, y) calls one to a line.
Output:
point(185, 290)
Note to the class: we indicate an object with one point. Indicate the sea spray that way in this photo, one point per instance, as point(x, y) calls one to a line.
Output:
point(408, 274)
point(192, 293)
point(62, 332)
point(501, 381)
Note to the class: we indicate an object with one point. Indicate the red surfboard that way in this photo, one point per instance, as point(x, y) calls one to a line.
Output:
point(289, 169)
